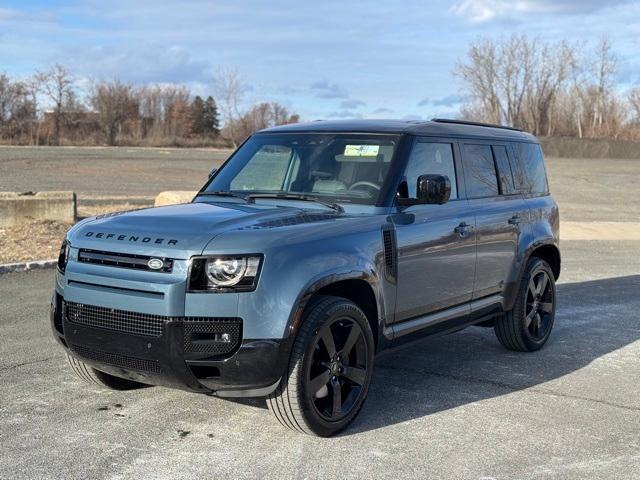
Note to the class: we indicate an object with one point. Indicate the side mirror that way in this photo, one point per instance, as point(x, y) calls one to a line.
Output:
point(433, 189)
point(212, 172)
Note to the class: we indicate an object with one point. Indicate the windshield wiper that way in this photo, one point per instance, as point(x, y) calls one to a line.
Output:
point(295, 196)
point(224, 193)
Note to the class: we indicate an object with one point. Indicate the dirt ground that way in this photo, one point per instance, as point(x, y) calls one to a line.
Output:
point(119, 178)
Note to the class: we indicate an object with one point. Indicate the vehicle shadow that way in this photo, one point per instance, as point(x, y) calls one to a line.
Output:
point(593, 318)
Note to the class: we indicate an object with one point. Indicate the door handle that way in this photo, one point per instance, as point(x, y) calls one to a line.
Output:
point(463, 229)
point(515, 220)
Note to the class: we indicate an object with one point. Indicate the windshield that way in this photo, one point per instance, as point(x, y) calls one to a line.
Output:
point(347, 168)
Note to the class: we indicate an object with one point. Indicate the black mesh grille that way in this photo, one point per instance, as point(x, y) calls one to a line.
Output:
point(389, 251)
point(216, 338)
point(117, 320)
point(212, 335)
point(117, 360)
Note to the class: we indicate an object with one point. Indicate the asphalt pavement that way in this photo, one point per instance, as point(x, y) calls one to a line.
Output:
point(458, 406)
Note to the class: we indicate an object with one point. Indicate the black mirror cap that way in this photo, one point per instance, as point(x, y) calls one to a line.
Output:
point(212, 172)
point(433, 189)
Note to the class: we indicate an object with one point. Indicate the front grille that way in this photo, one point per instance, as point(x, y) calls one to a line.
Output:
point(123, 361)
point(126, 260)
point(212, 335)
point(216, 338)
point(118, 320)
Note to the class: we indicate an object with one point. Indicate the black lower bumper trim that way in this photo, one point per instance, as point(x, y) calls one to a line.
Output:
point(253, 368)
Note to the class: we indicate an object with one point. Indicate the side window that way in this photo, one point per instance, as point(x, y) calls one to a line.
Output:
point(428, 158)
point(504, 169)
point(533, 177)
point(267, 170)
point(479, 171)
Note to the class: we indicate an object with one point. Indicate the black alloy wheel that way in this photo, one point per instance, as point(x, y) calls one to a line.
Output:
point(539, 305)
point(527, 326)
point(329, 371)
point(337, 371)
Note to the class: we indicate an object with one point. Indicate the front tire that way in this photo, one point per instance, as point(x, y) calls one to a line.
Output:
point(90, 375)
point(526, 328)
point(329, 370)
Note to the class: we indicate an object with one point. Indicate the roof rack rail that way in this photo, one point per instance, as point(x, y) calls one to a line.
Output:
point(477, 124)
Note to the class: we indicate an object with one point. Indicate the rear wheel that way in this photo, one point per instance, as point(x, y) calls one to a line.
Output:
point(329, 370)
point(527, 326)
point(90, 375)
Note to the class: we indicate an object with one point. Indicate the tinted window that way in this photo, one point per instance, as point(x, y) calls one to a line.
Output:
point(479, 171)
point(504, 169)
point(344, 167)
point(532, 178)
point(267, 170)
point(428, 158)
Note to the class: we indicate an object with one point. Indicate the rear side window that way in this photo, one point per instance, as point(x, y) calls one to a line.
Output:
point(532, 178)
point(505, 176)
point(479, 171)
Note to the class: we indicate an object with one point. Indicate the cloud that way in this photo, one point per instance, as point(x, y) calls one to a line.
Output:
point(380, 110)
point(412, 117)
point(142, 64)
point(345, 114)
point(446, 101)
point(350, 104)
point(482, 11)
point(324, 89)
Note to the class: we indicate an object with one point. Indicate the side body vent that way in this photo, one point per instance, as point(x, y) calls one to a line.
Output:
point(390, 254)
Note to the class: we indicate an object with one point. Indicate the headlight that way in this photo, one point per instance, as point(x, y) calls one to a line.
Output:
point(63, 257)
point(224, 273)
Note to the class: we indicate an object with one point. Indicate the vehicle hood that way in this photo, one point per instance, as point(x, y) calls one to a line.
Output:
point(180, 231)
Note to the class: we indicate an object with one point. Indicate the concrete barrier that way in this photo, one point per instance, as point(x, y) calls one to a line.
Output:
point(18, 208)
point(173, 197)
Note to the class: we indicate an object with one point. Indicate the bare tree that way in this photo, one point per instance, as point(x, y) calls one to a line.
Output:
point(230, 91)
point(57, 85)
point(606, 64)
point(115, 103)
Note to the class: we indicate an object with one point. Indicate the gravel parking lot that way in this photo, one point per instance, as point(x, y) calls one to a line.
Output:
point(457, 406)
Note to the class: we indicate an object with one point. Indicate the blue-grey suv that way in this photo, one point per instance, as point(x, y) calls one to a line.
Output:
point(314, 247)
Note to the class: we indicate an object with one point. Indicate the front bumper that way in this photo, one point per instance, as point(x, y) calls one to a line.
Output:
point(168, 356)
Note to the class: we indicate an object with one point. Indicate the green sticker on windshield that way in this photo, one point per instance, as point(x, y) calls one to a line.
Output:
point(361, 150)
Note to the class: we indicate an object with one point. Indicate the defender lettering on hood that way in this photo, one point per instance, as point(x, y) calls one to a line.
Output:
point(131, 238)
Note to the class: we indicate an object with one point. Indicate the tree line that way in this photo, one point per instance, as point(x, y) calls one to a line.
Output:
point(47, 109)
point(549, 89)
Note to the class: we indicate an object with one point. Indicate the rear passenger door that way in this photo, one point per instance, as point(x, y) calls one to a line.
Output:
point(500, 212)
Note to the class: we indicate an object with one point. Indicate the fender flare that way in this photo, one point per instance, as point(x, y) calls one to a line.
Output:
point(325, 279)
point(512, 290)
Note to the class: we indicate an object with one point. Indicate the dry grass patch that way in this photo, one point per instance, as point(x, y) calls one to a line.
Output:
point(40, 240)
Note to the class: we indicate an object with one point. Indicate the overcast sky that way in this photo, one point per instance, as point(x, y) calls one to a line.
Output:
point(323, 59)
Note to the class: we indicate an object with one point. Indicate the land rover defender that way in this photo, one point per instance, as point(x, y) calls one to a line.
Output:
point(313, 248)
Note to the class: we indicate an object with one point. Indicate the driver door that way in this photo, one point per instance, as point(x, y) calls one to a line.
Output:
point(436, 243)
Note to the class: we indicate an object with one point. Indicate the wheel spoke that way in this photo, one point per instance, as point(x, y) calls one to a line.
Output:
point(546, 307)
point(354, 334)
point(542, 284)
point(355, 374)
point(530, 317)
point(327, 339)
point(337, 398)
point(318, 382)
point(532, 287)
point(538, 325)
